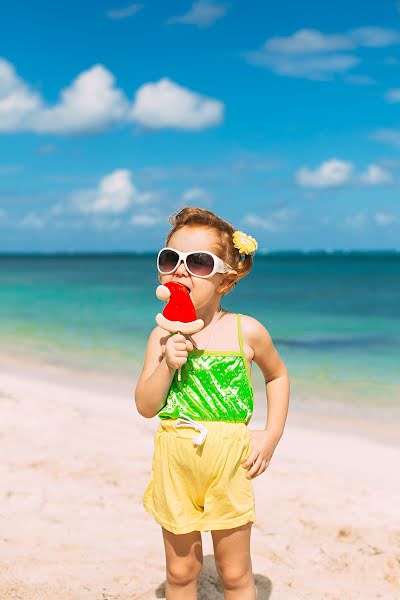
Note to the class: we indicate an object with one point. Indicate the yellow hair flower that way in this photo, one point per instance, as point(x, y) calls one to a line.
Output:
point(246, 244)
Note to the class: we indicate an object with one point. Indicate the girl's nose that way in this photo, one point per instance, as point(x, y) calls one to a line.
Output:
point(181, 268)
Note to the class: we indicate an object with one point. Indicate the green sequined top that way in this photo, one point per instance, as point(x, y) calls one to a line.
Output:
point(214, 386)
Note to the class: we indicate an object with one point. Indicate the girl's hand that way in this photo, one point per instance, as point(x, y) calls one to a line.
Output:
point(263, 446)
point(176, 350)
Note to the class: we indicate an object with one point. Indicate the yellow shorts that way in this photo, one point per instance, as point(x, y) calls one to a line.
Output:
point(195, 488)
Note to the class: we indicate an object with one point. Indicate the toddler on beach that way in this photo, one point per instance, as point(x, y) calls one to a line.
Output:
point(204, 455)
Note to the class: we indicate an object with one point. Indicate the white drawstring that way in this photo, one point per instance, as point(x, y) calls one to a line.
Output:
point(188, 422)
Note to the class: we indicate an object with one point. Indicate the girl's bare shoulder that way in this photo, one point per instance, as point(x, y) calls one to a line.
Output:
point(256, 336)
point(265, 355)
point(228, 332)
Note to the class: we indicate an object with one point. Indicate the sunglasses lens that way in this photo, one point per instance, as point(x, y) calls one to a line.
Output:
point(167, 261)
point(200, 263)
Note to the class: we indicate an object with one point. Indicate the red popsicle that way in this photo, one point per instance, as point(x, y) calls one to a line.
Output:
point(179, 314)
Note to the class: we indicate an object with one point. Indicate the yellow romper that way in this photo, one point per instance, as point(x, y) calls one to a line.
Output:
point(197, 482)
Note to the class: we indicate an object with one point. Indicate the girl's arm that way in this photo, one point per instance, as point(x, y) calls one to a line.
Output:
point(156, 377)
point(277, 385)
point(275, 374)
point(164, 354)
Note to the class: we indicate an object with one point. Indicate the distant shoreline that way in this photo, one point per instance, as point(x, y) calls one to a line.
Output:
point(263, 253)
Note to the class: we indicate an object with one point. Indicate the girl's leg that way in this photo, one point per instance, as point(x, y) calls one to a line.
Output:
point(184, 559)
point(233, 562)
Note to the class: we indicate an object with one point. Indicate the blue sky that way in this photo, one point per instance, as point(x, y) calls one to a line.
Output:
point(283, 118)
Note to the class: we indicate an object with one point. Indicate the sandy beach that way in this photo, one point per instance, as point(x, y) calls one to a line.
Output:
point(75, 463)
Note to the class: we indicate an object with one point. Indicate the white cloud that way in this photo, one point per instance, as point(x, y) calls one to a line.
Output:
point(264, 223)
point(252, 161)
point(202, 14)
point(147, 220)
point(106, 224)
point(356, 221)
point(89, 104)
point(391, 136)
point(17, 101)
point(32, 221)
point(57, 209)
point(360, 80)
point(97, 222)
point(331, 173)
point(306, 41)
point(147, 197)
point(104, 206)
point(47, 149)
point(165, 104)
point(195, 194)
point(393, 95)
point(274, 222)
point(385, 219)
point(335, 173)
point(92, 102)
point(59, 224)
point(115, 194)
point(123, 13)
point(318, 68)
point(390, 163)
point(311, 54)
point(10, 169)
point(376, 175)
point(374, 37)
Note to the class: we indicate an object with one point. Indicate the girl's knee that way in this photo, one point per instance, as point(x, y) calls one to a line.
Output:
point(235, 576)
point(182, 572)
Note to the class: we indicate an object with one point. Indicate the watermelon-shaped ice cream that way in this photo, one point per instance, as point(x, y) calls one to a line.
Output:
point(179, 314)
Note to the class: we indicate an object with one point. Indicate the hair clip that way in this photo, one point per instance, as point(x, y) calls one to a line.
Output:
point(246, 244)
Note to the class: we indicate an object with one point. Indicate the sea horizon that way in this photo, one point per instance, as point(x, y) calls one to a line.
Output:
point(261, 252)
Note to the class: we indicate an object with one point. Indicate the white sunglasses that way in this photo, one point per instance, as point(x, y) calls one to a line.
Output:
point(200, 263)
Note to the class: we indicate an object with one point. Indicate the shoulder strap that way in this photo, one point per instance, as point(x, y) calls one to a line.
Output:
point(240, 334)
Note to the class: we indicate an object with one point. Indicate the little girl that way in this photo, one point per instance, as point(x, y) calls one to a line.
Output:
point(203, 482)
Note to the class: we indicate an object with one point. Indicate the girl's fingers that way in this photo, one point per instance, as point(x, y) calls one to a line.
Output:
point(179, 337)
point(250, 459)
point(263, 467)
point(255, 468)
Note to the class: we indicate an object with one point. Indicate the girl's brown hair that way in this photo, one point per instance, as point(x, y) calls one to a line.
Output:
point(191, 216)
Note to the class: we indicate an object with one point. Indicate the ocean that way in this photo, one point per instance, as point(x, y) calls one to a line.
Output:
point(334, 317)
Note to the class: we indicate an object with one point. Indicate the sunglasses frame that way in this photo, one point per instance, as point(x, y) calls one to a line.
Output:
point(220, 266)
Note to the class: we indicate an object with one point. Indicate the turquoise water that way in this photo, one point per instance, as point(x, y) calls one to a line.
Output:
point(334, 318)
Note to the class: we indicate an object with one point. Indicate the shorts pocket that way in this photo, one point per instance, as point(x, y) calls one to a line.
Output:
point(247, 445)
point(248, 438)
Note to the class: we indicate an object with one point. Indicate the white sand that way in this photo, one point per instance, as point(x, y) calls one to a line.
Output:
point(74, 467)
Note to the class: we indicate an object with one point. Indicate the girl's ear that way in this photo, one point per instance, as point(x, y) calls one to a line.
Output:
point(226, 283)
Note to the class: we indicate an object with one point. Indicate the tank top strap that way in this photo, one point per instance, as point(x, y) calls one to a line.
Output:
point(240, 334)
